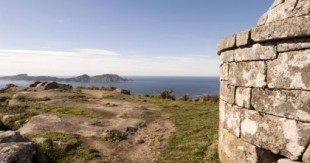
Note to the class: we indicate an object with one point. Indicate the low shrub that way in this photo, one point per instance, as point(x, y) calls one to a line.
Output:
point(115, 136)
point(185, 98)
point(167, 94)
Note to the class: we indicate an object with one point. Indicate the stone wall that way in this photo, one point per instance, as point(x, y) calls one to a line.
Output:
point(265, 88)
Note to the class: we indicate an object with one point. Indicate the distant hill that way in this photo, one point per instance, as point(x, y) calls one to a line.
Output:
point(83, 78)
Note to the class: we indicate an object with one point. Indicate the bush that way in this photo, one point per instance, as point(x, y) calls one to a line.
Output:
point(115, 136)
point(167, 94)
point(185, 98)
point(109, 88)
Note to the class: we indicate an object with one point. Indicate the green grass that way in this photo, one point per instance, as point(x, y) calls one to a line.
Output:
point(22, 118)
point(12, 109)
point(80, 155)
point(52, 109)
point(64, 110)
point(31, 99)
point(70, 139)
point(196, 134)
point(75, 153)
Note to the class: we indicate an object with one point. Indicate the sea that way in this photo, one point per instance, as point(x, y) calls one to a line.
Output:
point(192, 86)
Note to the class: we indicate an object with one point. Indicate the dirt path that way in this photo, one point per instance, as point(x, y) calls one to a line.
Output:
point(141, 146)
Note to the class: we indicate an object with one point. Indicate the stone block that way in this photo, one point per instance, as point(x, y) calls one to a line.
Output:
point(227, 43)
point(290, 70)
point(262, 20)
point(222, 110)
point(224, 71)
point(227, 56)
point(256, 52)
point(279, 135)
point(287, 161)
point(232, 149)
point(292, 104)
point(227, 92)
point(289, 28)
point(294, 44)
point(281, 11)
point(233, 119)
point(276, 3)
point(243, 97)
point(224, 158)
point(243, 38)
point(302, 8)
point(306, 156)
point(248, 74)
point(286, 9)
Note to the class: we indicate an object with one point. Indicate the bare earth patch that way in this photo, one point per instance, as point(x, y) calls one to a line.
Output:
point(147, 130)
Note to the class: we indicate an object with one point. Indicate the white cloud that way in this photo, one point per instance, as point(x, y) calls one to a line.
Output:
point(75, 52)
point(97, 52)
point(100, 61)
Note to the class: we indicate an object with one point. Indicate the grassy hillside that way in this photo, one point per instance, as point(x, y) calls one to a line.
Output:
point(193, 137)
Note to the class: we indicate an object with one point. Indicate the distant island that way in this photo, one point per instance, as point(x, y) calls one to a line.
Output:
point(82, 78)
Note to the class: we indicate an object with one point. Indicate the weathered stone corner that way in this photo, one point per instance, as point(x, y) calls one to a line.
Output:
point(265, 88)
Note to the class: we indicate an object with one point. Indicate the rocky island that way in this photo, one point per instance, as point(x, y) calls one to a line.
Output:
point(82, 78)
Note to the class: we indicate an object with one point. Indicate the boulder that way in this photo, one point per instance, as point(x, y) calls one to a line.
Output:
point(123, 91)
point(52, 85)
point(13, 88)
point(35, 84)
point(26, 152)
point(16, 148)
point(12, 136)
point(6, 118)
point(3, 99)
point(10, 85)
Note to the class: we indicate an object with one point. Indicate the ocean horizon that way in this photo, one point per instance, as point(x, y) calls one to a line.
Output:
point(193, 86)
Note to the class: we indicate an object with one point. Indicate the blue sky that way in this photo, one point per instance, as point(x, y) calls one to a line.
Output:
point(127, 37)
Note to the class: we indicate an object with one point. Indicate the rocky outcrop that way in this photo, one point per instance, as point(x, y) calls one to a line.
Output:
point(12, 88)
point(15, 148)
point(3, 99)
point(265, 88)
point(2, 126)
point(122, 91)
point(52, 85)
